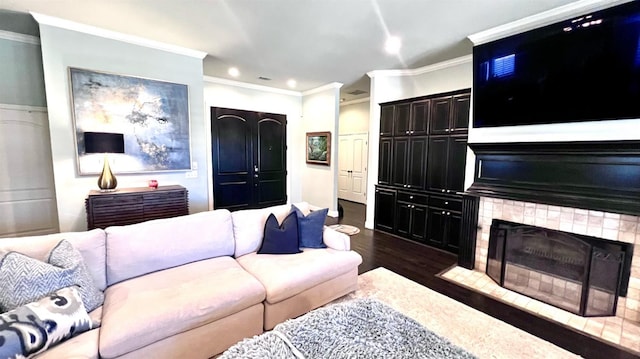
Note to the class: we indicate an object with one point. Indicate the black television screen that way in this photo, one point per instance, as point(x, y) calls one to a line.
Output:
point(583, 69)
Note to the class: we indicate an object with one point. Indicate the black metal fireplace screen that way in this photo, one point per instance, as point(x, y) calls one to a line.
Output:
point(581, 274)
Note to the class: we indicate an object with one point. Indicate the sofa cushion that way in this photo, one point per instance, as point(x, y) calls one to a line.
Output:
point(83, 346)
point(164, 303)
point(310, 227)
point(24, 279)
point(91, 245)
point(248, 225)
point(34, 327)
point(280, 238)
point(286, 276)
point(151, 246)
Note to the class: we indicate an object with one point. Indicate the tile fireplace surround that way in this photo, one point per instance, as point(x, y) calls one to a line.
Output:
point(624, 328)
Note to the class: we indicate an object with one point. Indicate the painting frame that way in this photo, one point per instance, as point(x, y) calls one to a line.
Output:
point(318, 148)
point(153, 115)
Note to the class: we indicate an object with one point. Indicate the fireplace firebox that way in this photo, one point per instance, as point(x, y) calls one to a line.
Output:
point(578, 273)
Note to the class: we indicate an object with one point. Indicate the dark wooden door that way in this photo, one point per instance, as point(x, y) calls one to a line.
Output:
point(452, 243)
point(460, 105)
point(457, 158)
point(419, 223)
point(440, 111)
point(437, 219)
point(386, 120)
point(403, 219)
point(437, 168)
point(417, 163)
point(420, 112)
point(385, 161)
point(385, 210)
point(400, 161)
point(402, 119)
point(249, 158)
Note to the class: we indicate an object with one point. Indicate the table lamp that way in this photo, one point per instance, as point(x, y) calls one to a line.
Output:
point(103, 142)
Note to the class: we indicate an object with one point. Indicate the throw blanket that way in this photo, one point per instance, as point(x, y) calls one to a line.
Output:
point(361, 328)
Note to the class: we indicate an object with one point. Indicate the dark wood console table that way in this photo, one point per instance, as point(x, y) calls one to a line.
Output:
point(134, 205)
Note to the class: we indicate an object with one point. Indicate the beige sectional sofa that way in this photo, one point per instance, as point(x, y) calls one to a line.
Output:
point(191, 286)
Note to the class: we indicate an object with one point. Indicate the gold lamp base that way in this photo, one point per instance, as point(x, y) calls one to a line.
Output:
point(107, 181)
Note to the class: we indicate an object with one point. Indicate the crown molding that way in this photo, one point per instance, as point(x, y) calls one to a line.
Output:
point(221, 81)
point(113, 35)
point(542, 19)
point(333, 85)
point(356, 101)
point(422, 70)
point(14, 36)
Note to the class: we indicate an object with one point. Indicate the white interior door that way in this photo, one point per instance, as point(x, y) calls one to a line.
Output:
point(352, 167)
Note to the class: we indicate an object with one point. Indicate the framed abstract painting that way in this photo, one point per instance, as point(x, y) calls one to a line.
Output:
point(152, 116)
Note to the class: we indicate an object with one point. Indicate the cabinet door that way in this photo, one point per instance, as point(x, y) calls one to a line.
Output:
point(384, 161)
point(460, 113)
point(437, 219)
point(403, 219)
point(402, 119)
point(437, 168)
point(400, 156)
point(452, 237)
point(417, 163)
point(420, 112)
point(386, 120)
point(457, 158)
point(419, 222)
point(384, 210)
point(440, 111)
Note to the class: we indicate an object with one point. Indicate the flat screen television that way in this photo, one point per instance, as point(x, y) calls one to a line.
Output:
point(583, 69)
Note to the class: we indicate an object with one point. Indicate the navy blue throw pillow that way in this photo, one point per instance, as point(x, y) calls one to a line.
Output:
point(311, 227)
point(280, 239)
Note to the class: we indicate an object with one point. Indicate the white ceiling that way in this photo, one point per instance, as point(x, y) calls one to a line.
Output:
point(315, 42)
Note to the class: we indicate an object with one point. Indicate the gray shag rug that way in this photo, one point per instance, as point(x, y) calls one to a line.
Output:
point(360, 328)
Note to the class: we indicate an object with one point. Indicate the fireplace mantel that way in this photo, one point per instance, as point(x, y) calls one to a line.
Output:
point(602, 175)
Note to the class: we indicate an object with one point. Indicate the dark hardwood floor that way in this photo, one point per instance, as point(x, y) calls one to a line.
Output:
point(421, 263)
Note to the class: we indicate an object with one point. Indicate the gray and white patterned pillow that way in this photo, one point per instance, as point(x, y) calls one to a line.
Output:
point(24, 279)
point(35, 327)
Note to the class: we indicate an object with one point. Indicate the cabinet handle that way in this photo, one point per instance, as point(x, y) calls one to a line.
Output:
point(447, 130)
point(410, 197)
point(446, 202)
point(412, 132)
point(448, 191)
point(443, 212)
point(407, 132)
point(405, 186)
point(442, 191)
point(381, 133)
point(448, 213)
point(408, 186)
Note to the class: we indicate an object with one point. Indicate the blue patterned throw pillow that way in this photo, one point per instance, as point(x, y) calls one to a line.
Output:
point(34, 327)
point(311, 227)
point(24, 279)
point(280, 239)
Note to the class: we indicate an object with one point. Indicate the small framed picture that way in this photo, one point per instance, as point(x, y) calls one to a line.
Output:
point(319, 148)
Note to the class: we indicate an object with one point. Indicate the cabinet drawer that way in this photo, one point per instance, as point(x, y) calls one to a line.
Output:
point(117, 200)
point(446, 203)
point(412, 197)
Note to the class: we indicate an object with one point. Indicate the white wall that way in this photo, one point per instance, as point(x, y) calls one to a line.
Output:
point(354, 117)
point(320, 112)
point(63, 48)
point(388, 86)
point(242, 96)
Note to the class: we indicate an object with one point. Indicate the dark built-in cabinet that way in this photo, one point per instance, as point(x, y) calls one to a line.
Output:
point(422, 155)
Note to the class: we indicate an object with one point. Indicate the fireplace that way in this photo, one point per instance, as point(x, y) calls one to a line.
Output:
point(581, 274)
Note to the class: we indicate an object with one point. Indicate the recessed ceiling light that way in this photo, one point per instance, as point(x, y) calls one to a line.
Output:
point(393, 44)
point(292, 83)
point(233, 71)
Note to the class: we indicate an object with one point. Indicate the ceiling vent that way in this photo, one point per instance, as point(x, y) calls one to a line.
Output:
point(356, 92)
point(264, 78)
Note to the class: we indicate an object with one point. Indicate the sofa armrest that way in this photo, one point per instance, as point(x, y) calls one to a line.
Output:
point(336, 240)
